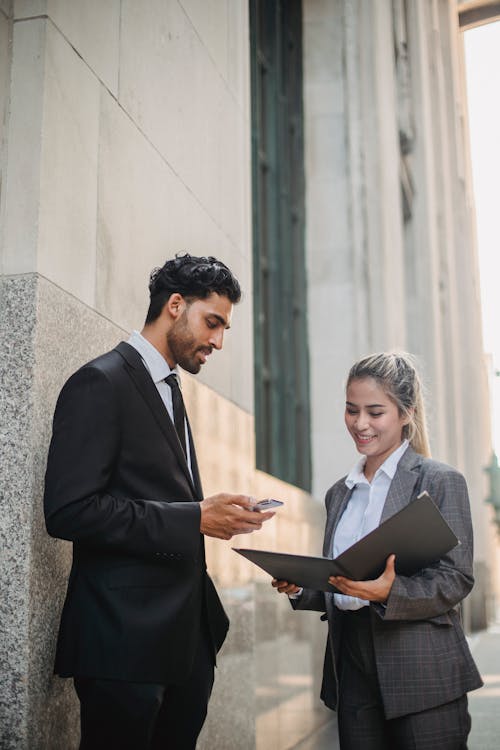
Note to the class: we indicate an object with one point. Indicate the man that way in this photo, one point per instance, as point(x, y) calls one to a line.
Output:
point(142, 621)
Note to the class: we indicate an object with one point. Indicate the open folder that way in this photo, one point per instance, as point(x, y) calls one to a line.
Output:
point(418, 535)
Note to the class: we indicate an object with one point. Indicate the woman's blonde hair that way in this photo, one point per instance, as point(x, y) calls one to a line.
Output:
point(396, 374)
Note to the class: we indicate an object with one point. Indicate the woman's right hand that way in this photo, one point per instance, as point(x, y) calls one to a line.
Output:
point(284, 587)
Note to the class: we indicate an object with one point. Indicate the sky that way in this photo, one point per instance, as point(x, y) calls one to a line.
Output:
point(482, 54)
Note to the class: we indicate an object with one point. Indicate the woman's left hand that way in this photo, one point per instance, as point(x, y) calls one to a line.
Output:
point(373, 591)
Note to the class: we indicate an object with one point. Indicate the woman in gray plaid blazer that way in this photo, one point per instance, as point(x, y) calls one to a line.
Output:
point(397, 665)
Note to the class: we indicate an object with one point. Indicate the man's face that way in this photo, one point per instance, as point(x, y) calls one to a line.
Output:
point(198, 330)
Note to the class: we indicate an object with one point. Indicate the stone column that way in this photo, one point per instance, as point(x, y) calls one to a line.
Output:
point(354, 233)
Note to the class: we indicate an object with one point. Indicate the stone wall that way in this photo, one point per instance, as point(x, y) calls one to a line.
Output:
point(125, 138)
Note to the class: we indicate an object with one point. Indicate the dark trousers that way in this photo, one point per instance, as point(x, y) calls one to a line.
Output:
point(361, 720)
point(117, 715)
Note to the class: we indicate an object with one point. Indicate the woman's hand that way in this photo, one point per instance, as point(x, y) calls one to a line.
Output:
point(284, 587)
point(373, 591)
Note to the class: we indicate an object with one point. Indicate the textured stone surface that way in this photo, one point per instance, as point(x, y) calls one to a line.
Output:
point(16, 413)
point(67, 334)
point(45, 335)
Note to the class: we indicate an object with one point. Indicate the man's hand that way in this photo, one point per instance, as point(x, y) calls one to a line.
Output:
point(224, 516)
point(373, 591)
point(284, 587)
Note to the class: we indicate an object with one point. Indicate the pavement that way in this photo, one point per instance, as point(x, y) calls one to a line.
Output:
point(484, 704)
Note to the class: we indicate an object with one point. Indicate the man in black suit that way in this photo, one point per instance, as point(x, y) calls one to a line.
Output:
point(142, 621)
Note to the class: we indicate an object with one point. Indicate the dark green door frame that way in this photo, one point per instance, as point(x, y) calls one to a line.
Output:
point(282, 410)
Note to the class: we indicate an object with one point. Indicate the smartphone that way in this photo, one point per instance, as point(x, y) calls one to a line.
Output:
point(267, 504)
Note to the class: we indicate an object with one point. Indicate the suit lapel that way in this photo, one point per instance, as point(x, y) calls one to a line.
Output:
point(400, 493)
point(403, 485)
point(149, 392)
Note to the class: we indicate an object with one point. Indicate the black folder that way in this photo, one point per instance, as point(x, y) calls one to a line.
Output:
point(418, 535)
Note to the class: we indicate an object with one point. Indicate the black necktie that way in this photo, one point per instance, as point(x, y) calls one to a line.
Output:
point(179, 410)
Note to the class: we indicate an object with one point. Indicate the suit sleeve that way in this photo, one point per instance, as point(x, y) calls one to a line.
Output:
point(84, 449)
point(440, 587)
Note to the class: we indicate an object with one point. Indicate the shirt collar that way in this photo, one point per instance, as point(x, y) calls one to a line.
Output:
point(391, 462)
point(356, 475)
point(158, 367)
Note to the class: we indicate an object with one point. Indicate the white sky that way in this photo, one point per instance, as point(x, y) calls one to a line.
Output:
point(482, 54)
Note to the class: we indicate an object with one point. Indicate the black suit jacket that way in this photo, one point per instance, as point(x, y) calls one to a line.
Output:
point(118, 486)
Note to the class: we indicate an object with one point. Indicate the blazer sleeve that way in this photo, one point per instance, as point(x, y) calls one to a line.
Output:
point(435, 590)
point(85, 446)
point(310, 600)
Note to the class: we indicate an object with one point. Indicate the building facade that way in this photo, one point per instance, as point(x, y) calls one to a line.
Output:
point(320, 149)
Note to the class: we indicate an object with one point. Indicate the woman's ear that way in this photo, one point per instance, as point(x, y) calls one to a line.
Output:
point(408, 417)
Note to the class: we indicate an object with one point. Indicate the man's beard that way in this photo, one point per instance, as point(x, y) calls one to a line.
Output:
point(182, 346)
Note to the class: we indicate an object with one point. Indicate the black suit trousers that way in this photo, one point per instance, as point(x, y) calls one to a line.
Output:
point(119, 715)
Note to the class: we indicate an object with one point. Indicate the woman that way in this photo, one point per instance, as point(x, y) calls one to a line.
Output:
point(397, 665)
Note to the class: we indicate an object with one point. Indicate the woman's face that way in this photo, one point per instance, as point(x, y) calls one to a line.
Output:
point(373, 420)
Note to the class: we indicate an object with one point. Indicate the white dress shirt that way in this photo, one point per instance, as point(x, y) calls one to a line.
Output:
point(363, 511)
point(159, 369)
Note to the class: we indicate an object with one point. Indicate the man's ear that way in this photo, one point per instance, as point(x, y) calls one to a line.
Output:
point(174, 306)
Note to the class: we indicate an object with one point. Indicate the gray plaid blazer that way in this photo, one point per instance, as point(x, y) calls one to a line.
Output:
point(422, 657)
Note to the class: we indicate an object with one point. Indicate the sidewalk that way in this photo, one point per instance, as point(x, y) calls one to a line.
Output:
point(484, 704)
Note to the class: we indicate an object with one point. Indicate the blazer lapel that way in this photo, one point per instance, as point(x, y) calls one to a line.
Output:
point(335, 510)
point(149, 392)
point(403, 485)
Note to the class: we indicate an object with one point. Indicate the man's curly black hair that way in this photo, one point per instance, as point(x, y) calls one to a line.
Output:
point(194, 278)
